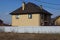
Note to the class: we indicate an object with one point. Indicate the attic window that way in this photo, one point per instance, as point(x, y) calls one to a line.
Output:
point(17, 16)
point(30, 16)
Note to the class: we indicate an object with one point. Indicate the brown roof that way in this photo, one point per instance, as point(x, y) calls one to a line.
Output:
point(3, 24)
point(1, 21)
point(29, 8)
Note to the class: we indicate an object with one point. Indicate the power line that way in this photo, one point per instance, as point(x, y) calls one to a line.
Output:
point(48, 3)
point(51, 8)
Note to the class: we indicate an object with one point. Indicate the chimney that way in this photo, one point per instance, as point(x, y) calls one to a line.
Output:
point(23, 6)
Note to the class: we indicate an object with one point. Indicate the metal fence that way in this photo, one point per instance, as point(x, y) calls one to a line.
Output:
point(31, 29)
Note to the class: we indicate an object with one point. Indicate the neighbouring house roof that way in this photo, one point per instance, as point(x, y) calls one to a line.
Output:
point(1, 21)
point(3, 24)
point(56, 17)
point(30, 8)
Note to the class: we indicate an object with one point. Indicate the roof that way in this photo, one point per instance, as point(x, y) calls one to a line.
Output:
point(4, 24)
point(1, 21)
point(56, 17)
point(30, 8)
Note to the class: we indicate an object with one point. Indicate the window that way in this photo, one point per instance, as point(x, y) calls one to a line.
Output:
point(17, 16)
point(30, 16)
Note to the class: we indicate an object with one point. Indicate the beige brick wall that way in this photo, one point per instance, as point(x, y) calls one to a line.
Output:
point(24, 21)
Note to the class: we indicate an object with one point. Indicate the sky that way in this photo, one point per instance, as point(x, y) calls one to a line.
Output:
point(7, 6)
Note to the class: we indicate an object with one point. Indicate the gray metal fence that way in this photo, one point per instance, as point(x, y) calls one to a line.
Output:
point(31, 29)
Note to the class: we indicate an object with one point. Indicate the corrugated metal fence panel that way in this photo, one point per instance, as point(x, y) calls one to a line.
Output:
point(30, 29)
point(2, 29)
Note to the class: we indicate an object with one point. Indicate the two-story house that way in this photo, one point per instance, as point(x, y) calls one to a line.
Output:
point(30, 15)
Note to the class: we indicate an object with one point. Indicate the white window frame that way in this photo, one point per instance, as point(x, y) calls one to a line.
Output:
point(17, 16)
point(30, 16)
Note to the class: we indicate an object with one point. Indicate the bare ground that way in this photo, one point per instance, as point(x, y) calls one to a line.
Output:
point(28, 36)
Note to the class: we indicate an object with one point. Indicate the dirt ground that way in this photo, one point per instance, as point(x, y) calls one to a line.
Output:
point(28, 36)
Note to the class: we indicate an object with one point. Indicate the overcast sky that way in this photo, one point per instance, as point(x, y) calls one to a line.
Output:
point(7, 6)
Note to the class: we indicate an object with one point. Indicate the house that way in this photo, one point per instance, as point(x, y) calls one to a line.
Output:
point(57, 21)
point(30, 14)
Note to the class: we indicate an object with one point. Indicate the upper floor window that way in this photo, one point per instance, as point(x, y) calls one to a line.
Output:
point(30, 16)
point(17, 16)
